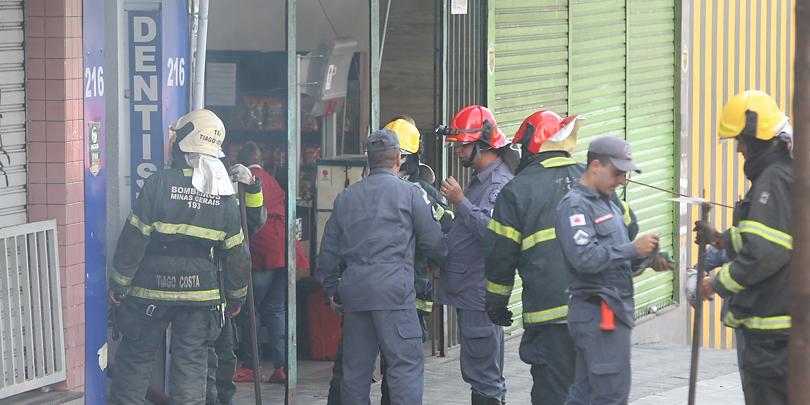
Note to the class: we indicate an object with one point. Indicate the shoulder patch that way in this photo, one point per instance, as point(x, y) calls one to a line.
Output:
point(424, 194)
point(493, 196)
point(581, 238)
point(763, 198)
point(577, 220)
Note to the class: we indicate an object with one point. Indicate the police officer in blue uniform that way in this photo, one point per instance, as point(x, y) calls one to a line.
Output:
point(376, 226)
point(600, 259)
point(462, 284)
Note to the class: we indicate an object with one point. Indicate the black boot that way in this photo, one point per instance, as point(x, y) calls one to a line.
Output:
point(482, 400)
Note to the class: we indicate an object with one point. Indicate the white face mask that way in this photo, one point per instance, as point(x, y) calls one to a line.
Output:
point(210, 176)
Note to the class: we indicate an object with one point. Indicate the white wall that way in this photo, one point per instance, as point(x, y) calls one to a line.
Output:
point(258, 25)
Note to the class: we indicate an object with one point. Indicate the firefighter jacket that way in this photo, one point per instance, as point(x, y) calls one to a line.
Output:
point(165, 251)
point(268, 245)
point(376, 227)
point(522, 236)
point(757, 279)
point(421, 282)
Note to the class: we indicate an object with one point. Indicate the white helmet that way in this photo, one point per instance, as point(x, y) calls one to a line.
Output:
point(200, 131)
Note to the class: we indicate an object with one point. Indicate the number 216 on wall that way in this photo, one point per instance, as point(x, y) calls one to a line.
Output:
point(177, 72)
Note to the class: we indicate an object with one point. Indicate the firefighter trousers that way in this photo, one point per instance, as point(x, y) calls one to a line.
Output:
point(549, 350)
point(765, 365)
point(142, 327)
point(221, 367)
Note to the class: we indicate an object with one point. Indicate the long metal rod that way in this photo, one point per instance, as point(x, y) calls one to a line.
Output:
point(198, 93)
point(251, 306)
point(697, 327)
point(293, 121)
point(675, 193)
point(799, 345)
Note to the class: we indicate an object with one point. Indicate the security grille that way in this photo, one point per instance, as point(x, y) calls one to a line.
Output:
point(32, 340)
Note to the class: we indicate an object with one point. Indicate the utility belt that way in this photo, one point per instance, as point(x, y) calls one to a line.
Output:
point(179, 249)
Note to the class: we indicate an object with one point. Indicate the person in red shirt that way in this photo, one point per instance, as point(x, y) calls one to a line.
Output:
point(268, 252)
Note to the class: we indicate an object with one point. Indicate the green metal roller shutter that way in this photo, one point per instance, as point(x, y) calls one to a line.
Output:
point(612, 62)
point(597, 71)
point(528, 59)
point(651, 99)
point(528, 70)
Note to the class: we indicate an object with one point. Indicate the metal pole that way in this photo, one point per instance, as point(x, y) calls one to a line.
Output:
point(374, 63)
point(799, 346)
point(251, 306)
point(293, 121)
point(697, 327)
point(198, 92)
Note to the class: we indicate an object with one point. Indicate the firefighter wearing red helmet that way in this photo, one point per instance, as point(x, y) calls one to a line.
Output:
point(479, 144)
point(521, 236)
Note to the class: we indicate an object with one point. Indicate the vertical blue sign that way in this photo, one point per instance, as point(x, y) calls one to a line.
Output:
point(95, 204)
point(176, 65)
point(146, 117)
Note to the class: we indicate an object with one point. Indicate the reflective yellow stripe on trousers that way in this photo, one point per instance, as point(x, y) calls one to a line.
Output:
point(425, 306)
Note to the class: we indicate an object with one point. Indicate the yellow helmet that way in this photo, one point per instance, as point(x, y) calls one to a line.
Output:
point(752, 113)
point(407, 133)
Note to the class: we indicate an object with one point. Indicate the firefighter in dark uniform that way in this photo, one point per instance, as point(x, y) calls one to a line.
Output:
point(164, 271)
point(600, 257)
point(522, 237)
point(757, 278)
point(412, 170)
point(376, 226)
point(221, 357)
point(479, 144)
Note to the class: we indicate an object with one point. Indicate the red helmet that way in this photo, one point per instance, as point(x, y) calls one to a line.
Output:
point(474, 123)
point(546, 130)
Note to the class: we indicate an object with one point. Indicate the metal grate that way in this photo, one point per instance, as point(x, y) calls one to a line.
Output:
point(32, 342)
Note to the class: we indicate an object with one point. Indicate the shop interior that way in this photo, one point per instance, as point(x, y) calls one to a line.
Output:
point(246, 85)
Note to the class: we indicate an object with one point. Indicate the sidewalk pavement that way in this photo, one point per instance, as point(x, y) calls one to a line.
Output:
point(660, 377)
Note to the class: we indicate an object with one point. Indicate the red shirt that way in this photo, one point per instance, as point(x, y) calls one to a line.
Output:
point(267, 246)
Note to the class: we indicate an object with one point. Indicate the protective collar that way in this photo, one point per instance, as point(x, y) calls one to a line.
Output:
point(209, 176)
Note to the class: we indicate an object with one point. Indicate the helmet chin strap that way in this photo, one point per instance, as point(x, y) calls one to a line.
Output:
point(474, 155)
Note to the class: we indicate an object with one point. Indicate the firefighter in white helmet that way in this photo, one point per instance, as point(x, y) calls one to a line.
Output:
point(164, 270)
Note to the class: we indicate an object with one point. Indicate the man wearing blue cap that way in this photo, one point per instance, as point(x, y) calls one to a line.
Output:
point(365, 233)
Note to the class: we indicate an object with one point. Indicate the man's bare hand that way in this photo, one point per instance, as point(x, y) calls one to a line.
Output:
point(661, 263)
point(451, 190)
point(336, 308)
point(706, 289)
point(112, 297)
point(646, 244)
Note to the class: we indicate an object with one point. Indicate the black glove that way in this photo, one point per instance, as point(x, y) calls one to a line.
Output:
point(499, 315)
point(705, 233)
